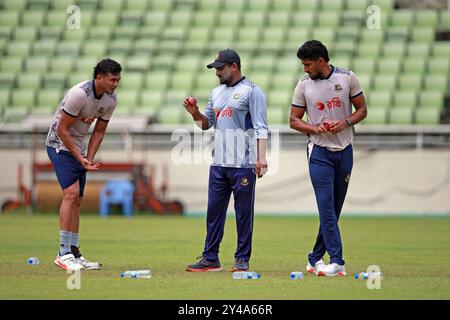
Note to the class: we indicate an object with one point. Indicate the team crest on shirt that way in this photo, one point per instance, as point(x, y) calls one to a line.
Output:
point(337, 87)
point(236, 96)
point(101, 110)
point(244, 182)
point(347, 178)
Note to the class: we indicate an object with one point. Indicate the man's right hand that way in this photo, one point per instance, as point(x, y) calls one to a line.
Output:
point(89, 166)
point(190, 103)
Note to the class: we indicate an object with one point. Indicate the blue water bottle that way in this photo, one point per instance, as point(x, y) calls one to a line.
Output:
point(296, 275)
point(246, 275)
point(33, 261)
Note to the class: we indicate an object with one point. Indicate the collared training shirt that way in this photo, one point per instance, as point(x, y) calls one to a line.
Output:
point(80, 102)
point(328, 98)
point(238, 114)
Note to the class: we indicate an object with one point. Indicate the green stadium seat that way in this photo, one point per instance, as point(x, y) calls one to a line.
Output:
point(376, 115)
point(128, 98)
point(61, 4)
point(188, 63)
point(181, 18)
point(229, 19)
point(303, 19)
point(394, 49)
point(145, 46)
point(232, 5)
point(276, 116)
point(385, 5)
point(23, 98)
point(29, 80)
point(284, 81)
point(132, 80)
point(206, 80)
point(49, 98)
point(34, 63)
point(182, 81)
point(95, 48)
point(91, 5)
point(423, 34)
point(253, 19)
point(380, 99)
point(140, 63)
point(175, 98)
point(324, 34)
point(364, 65)
point(33, 18)
point(100, 33)
point(120, 47)
point(343, 62)
point(165, 5)
point(436, 82)
point(209, 5)
point(343, 48)
point(371, 36)
point(155, 18)
point(68, 49)
point(329, 19)
point(441, 49)
point(368, 50)
point(204, 19)
point(85, 63)
point(15, 114)
point(271, 40)
point(353, 18)
point(54, 80)
point(389, 65)
point(360, 5)
point(9, 18)
point(4, 97)
point(428, 116)
point(108, 18)
point(278, 19)
point(77, 77)
point(157, 80)
point(431, 99)
point(397, 34)
point(418, 49)
point(11, 64)
point(112, 4)
point(57, 18)
point(38, 5)
point(280, 99)
point(444, 20)
point(410, 81)
point(25, 34)
point(16, 5)
point(18, 48)
point(7, 79)
point(260, 5)
point(171, 115)
point(294, 39)
point(405, 99)
point(428, 18)
point(309, 5)
point(6, 32)
point(151, 99)
point(261, 78)
point(348, 33)
point(365, 81)
point(414, 65)
point(61, 64)
point(401, 116)
point(44, 48)
point(384, 81)
point(283, 5)
point(131, 18)
point(439, 65)
point(125, 32)
point(402, 18)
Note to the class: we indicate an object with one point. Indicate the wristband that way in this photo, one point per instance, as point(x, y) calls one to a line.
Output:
point(348, 122)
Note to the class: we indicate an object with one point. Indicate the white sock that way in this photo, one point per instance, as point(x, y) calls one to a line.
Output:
point(64, 241)
point(74, 239)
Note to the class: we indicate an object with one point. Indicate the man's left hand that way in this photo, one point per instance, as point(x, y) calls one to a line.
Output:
point(337, 126)
point(261, 168)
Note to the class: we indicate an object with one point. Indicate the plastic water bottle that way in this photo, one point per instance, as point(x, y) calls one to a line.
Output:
point(366, 275)
point(33, 261)
point(145, 274)
point(246, 275)
point(296, 275)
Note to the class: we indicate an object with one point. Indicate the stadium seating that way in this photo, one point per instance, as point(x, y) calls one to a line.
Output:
point(164, 47)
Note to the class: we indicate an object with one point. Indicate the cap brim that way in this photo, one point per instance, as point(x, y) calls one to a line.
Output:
point(215, 65)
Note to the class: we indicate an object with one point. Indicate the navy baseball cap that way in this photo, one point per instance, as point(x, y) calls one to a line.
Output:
point(226, 56)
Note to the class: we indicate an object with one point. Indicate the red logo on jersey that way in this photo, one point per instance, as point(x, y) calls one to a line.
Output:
point(226, 112)
point(335, 102)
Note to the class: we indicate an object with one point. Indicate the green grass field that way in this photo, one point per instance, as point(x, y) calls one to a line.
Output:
point(413, 254)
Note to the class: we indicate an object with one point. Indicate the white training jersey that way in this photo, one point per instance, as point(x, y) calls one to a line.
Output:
point(328, 99)
point(80, 102)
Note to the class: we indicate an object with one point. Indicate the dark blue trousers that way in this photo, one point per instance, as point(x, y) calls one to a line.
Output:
point(222, 182)
point(330, 174)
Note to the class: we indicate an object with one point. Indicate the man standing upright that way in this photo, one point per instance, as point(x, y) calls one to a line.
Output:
point(327, 94)
point(83, 104)
point(237, 110)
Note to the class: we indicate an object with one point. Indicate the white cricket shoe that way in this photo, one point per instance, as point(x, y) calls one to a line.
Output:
point(68, 262)
point(318, 267)
point(88, 265)
point(332, 270)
